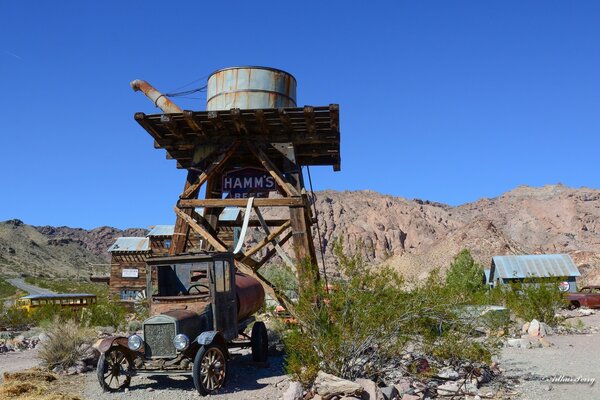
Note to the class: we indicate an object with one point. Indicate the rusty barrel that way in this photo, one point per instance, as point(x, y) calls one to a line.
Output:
point(250, 295)
point(250, 88)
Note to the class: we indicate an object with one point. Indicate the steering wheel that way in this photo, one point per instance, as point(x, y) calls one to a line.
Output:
point(196, 287)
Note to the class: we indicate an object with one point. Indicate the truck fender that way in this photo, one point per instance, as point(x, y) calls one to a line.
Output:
point(104, 344)
point(212, 337)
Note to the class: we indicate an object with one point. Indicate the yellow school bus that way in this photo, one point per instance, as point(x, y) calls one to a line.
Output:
point(73, 300)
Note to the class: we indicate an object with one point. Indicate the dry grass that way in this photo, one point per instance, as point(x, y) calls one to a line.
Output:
point(63, 344)
point(32, 384)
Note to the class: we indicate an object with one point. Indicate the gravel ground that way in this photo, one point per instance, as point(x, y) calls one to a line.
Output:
point(245, 381)
point(18, 360)
point(572, 355)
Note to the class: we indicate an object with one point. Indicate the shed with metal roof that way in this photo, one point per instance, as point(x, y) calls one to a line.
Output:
point(539, 267)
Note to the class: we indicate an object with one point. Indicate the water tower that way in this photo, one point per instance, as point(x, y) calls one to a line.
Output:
point(246, 150)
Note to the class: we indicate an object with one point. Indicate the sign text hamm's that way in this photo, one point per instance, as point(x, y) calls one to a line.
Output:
point(248, 182)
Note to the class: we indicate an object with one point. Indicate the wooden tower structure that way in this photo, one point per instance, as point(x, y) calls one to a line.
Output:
point(236, 154)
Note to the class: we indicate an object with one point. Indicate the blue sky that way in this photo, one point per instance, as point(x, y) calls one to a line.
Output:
point(449, 101)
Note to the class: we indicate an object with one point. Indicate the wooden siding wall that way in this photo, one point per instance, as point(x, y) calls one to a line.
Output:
point(121, 261)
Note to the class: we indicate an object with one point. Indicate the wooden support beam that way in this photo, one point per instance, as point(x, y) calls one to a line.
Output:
point(261, 121)
point(285, 120)
point(273, 171)
point(309, 117)
point(210, 171)
point(192, 123)
point(239, 124)
point(181, 230)
point(215, 203)
point(271, 236)
point(215, 119)
point(275, 239)
point(213, 241)
point(271, 252)
point(171, 126)
point(334, 117)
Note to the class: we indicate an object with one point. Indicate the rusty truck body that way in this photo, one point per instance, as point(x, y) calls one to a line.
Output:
point(200, 307)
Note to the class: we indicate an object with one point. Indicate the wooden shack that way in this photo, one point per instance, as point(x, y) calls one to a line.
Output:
point(128, 268)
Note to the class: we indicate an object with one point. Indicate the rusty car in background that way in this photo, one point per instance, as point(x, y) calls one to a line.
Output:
point(588, 296)
point(200, 307)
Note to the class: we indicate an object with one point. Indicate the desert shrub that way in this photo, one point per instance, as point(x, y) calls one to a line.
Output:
point(369, 318)
point(15, 318)
point(531, 299)
point(63, 346)
point(104, 313)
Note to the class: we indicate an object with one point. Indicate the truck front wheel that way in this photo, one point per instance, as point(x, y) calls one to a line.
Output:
point(210, 369)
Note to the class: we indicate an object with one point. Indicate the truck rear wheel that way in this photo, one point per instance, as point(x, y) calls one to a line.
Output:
point(259, 342)
point(210, 369)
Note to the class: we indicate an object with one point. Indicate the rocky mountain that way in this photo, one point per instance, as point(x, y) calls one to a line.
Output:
point(413, 236)
point(55, 251)
point(416, 236)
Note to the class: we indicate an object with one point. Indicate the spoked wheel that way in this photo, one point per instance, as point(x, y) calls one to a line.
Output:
point(210, 369)
point(259, 341)
point(114, 370)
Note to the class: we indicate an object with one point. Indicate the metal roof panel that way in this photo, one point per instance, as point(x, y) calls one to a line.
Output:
point(535, 265)
point(162, 230)
point(130, 244)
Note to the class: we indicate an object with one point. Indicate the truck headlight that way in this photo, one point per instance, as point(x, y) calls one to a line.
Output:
point(134, 342)
point(181, 342)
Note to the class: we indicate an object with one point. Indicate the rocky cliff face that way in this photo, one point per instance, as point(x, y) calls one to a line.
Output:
point(413, 236)
point(416, 236)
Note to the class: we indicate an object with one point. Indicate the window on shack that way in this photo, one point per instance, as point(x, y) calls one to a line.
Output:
point(130, 294)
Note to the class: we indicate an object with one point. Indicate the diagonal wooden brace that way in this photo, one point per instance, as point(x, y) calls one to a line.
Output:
point(266, 240)
point(213, 241)
point(214, 167)
point(273, 170)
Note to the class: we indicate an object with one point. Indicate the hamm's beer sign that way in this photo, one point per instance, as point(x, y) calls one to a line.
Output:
point(248, 182)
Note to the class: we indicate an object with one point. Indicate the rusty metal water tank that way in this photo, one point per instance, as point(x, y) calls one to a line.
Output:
point(250, 87)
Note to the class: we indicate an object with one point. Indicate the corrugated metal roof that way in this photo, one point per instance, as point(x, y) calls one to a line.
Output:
point(228, 213)
point(538, 265)
point(162, 230)
point(130, 244)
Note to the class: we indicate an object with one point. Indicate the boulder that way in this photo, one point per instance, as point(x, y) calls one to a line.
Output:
point(534, 328)
point(390, 393)
point(371, 391)
point(525, 327)
point(410, 397)
point(447, 373)
point(294, 391)
point(328, 386)
point(403, 385)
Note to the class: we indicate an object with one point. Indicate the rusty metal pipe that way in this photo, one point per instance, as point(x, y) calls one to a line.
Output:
point(160, 100)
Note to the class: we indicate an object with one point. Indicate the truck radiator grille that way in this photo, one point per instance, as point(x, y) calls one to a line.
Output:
point(159, 340)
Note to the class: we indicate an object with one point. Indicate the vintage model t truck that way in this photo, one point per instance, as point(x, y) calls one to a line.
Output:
point(246, 150)
point(198, 306)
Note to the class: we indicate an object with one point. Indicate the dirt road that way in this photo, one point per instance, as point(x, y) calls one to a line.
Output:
point(31, 289)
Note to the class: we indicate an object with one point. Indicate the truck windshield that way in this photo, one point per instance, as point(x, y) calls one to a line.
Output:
point(181, 279)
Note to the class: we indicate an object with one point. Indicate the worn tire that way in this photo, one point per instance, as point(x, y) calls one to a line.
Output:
point(108, 371)
point(259, 341)
point(210, 369)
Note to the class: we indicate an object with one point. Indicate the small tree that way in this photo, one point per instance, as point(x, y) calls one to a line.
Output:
point(465, 278)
